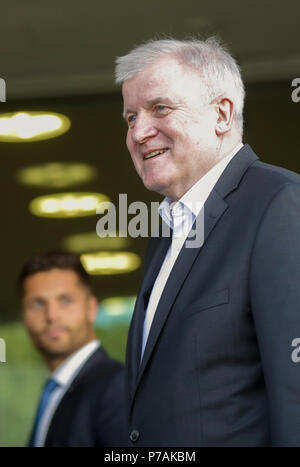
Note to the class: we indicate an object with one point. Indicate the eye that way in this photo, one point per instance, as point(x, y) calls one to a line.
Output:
point(36, 304)
point(130, 120)
point(161, 109)
point(65, 299)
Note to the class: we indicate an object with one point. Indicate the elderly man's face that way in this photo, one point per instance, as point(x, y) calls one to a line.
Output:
point(171, 128)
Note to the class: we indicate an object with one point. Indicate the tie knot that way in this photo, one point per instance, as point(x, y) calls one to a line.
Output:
point(50, 385)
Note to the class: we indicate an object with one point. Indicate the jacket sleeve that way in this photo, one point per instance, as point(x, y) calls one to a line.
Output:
point(275, 301)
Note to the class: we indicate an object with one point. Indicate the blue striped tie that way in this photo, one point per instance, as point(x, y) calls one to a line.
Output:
point(49, 387)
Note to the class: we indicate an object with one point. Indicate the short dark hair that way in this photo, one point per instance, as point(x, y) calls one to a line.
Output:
point(45, 261)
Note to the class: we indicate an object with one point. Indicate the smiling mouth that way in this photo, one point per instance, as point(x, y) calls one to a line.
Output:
point(155, 153)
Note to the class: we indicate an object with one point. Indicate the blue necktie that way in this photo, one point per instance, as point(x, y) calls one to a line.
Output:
point(49, 387)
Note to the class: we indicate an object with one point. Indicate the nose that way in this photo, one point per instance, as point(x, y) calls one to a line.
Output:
point(52, 312)
point(144, 128)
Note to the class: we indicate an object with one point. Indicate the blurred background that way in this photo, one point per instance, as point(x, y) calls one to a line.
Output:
point(58, 57)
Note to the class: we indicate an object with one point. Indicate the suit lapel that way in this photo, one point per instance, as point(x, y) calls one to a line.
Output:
point(95, 359)
point(181, 268)
point(158, 248)
point(214, 208)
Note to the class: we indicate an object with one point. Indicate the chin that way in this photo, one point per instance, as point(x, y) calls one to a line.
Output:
point(54, 347)
point(155, 185)
point(58, 351)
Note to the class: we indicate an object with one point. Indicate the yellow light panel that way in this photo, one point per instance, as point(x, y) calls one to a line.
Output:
point(62, 205)
point(110, 262)
point(28, 126)
point(56, 175)
point(89, 241)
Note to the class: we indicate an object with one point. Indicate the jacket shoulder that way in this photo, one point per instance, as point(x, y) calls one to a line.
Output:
point(274, 174)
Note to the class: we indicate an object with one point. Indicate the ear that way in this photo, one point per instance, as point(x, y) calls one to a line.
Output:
point(93, 308)
point(224, 108)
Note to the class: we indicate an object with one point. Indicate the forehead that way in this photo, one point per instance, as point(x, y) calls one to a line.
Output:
point(49, 282)
point(166, 77)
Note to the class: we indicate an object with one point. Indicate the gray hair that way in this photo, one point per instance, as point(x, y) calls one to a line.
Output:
point(218, 70)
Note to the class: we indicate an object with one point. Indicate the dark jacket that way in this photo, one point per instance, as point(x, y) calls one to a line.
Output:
point(218, 368)
point(91, 413)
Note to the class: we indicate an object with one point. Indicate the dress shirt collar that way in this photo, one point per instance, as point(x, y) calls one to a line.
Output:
point(68, 369)
point(192, 201)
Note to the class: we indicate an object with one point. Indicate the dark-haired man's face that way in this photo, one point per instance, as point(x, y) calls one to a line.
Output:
point(58, 312)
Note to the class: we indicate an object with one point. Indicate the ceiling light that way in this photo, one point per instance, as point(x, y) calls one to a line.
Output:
point(89, 241)
point(57, 174)
point(28, 126)
point(62, 205)
point(110, 262)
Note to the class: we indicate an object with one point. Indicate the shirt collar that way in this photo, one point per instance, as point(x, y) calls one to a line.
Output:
point(193, 200)
point(69, 368)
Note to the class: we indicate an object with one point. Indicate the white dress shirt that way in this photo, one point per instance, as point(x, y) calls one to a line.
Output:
point(180, 217)
point(64, 375)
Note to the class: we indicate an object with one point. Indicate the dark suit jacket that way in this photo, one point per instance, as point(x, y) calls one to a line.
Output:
point(91, 413)
point(217, 368)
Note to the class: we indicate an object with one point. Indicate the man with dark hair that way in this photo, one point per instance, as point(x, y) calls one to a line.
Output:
point(82, 401)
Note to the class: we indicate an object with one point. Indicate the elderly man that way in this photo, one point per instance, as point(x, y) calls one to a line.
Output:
point(212, 350)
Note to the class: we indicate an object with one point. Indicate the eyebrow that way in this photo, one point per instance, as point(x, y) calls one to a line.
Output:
point(44, 299)
point(149, 103)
